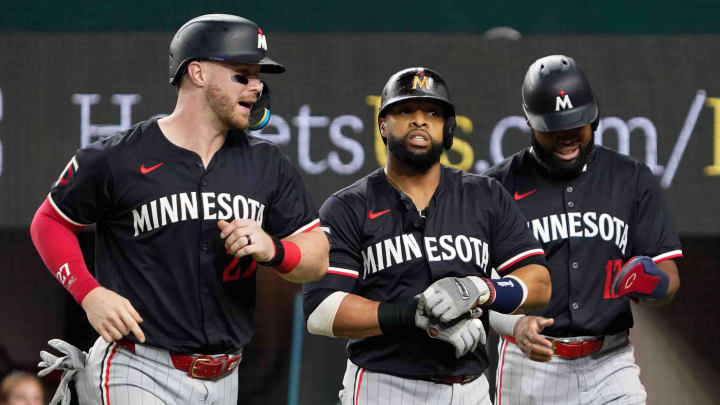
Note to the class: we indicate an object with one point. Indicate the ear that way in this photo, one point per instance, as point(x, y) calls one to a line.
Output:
point(196, 74)
point(382, 124)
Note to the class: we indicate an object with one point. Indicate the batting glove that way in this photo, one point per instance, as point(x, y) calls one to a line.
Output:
point(73, 361)
point(464, 334)
point(640, 276)
point(451, 297)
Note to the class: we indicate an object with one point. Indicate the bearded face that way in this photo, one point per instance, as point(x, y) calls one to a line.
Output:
point(226, 108)
point(563, 154)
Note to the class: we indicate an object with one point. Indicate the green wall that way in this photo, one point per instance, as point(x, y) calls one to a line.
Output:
point(528, 17)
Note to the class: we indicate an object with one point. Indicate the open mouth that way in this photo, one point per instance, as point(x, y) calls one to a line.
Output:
point(567, 153)
point(246, 104)
point(418, 138)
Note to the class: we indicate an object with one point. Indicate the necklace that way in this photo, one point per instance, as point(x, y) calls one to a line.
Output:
point(397, 185)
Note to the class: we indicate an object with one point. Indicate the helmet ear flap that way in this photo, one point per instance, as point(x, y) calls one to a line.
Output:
point(449, 131)
point(260, 111)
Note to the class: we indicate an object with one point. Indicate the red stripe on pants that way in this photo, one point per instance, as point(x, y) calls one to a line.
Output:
point(107, 375)
point(357, 386)
point(502, 363)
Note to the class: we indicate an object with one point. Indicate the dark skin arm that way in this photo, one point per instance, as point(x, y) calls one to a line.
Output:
point(670, 268)
point(356, 318)
point(539, 287)
point(527, 329)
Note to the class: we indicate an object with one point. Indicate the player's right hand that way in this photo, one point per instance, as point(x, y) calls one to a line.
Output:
point(111, 315)
point(246, 237)
point(527, 335)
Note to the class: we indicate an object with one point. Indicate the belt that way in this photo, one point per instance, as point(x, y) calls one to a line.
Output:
point(578, 347)
point(201, 366)
point(460, 379)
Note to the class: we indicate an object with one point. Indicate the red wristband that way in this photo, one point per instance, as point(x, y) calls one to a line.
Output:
point(291, 259)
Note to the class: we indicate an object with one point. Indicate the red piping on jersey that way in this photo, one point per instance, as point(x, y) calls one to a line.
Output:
point(107, 375)
point(312, 227)
point(342, 273)
point(675, 256)
point(357, 386)
point(519, 259)
point(502, 363)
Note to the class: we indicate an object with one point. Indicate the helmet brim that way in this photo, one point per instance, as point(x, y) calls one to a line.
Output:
point(562, 120)
point(267, 65)
point(449, 107)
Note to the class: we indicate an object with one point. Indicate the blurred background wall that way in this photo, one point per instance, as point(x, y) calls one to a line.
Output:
point(71, 72)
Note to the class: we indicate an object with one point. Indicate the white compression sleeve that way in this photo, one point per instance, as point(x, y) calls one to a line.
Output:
point(320, 321)
point(503, 324)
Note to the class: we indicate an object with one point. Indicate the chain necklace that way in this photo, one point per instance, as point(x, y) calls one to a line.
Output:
point(397, 185)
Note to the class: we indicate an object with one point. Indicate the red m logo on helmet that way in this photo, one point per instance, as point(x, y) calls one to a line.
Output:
point(562, 102)
point(262, 42)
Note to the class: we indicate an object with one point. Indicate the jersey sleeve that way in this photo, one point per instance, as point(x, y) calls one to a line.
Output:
point(82, 193)
point(291, 210)
point(513, 245)
point(346, 263)
point(654, 234)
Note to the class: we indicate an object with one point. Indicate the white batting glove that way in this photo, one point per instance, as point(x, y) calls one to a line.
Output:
point(464, 335)
point(451, 297)
point(72, 362)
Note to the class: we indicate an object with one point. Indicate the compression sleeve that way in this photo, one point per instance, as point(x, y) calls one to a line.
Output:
point(56, 241)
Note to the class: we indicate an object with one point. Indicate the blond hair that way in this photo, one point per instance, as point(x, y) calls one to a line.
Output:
point(14, 379)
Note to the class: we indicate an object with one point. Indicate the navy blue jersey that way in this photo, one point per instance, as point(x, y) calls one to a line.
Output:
point(383, 249)
point(589, 227)
point(158, 244)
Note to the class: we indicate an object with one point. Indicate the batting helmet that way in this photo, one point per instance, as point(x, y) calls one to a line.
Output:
point(228, 38)
point(220, 37)
point(420, 83)
point(557, 95)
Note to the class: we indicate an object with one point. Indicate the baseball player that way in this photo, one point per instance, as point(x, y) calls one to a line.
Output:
point(188, 209)
point(416, 228)
point(605, 228)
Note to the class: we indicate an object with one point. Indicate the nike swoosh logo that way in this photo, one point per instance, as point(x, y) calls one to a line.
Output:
point(373, 215)
point(521, 196)
point(146, 170)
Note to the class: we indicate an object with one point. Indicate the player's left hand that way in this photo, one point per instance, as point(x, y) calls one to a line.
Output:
point(464, 334)
point(527, 335)
point(451, 297)
point(641, 277)
point(245, 237)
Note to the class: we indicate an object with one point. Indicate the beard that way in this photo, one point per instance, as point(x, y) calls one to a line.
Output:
point(224, 108)
point(559, 169)
point(419, 162)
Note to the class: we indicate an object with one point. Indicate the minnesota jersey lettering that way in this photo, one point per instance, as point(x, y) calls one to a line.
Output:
point(180, 203)
point(403, 248)
point(581, 225)
point(185, 206)
point(471, 226)
point(165, 201)
point(592, 209)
